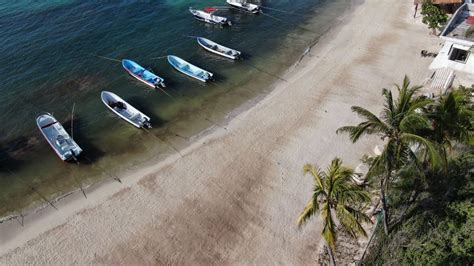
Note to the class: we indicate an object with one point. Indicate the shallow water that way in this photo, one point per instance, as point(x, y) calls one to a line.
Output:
point(47, 50)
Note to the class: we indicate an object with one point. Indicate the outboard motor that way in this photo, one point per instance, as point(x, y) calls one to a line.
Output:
point(146, 124)
point(73, 157)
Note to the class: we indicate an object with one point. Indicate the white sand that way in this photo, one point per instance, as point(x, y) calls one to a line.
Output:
point(235, 195)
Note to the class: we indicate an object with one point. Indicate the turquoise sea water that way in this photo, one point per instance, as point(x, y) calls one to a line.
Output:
point(47, 52)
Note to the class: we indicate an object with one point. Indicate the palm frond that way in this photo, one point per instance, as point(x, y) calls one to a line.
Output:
point(417, 104)
point(355, 132)
point(376, 167)
point(416, 162)
point(350, 222)
point(389, 111)
point(311, 209)
point(329, 227)
point(349, 192)
point(316, 173)
point(369, 116)
point(372, 125)
point(405, 97)
point(414, 123)
point(433, 152)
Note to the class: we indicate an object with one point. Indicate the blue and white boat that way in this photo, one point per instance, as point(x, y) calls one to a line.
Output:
point(142, 74)
point(189, 69)
point(58, 138)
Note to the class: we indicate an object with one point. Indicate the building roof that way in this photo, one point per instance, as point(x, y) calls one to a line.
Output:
point(460, 28)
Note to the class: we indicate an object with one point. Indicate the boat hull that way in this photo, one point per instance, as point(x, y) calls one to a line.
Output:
point(127, 64)
point(141, 123)
point(174, 61)
point(252, 8)
point(53, 131)
point(201, 41)
point(138, 78)
point(209, 18)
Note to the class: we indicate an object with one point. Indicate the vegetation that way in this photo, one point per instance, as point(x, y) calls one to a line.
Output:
point(469, 32)
point(433, 16)
point(450, 117)
point(436, 228)
point(428, 164)
point(399, 124)
point(338, 200)
point(432, 218)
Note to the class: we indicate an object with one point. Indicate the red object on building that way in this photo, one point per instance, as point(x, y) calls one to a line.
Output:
point(470, 20)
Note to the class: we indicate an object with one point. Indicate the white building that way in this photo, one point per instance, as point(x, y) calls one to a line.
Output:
point(456, 53)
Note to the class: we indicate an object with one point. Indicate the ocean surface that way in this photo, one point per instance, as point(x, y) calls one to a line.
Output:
point(49, 52)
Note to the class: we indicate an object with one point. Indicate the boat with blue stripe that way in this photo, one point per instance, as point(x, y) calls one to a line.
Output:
point(142, 74)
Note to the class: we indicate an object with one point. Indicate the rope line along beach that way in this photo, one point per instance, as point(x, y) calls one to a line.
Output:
point(33, 189)
point(107, 58)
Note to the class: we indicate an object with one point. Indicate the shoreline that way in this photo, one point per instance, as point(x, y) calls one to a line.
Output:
point(70, 199)
point(289, 141)
point(231, 114)
point(168, 146)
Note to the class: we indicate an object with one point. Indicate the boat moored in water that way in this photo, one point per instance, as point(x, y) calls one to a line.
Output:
point(142, 74)
point(216, 48)
point(243, 4)
point(189, 69)
point(64, 146)
point(124, 110)
point(207, 15)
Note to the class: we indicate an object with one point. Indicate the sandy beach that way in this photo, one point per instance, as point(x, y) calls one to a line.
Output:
point(234, 195)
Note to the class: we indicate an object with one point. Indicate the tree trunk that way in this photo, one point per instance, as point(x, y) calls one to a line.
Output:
point(331, 255)
point(445, 158)
point(384, 206)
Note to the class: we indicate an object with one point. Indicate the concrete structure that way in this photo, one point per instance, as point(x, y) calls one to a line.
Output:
point(458, 35)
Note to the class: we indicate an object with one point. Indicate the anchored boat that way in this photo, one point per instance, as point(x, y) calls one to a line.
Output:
point(207, 15)
point(142, 74)
point(189, 69)
point(64, 146)
point(218, 49)
point(242, 4)
point(125, 110)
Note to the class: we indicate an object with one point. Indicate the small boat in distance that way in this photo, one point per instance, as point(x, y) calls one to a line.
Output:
point(206, 15)
point(242, 4)
point(64, 146)
point(142, 74)
point(189, 69)
point(218, 49)
point(125, 110)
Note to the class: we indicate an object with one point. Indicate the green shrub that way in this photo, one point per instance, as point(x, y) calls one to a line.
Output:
point(432, 15)
point(469, 32)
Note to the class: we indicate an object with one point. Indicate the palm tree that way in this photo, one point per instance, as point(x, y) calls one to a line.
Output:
point(451, 117)
point(337, 199)
point(402, 124)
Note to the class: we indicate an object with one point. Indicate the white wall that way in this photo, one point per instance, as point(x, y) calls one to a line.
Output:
point(442, 60)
